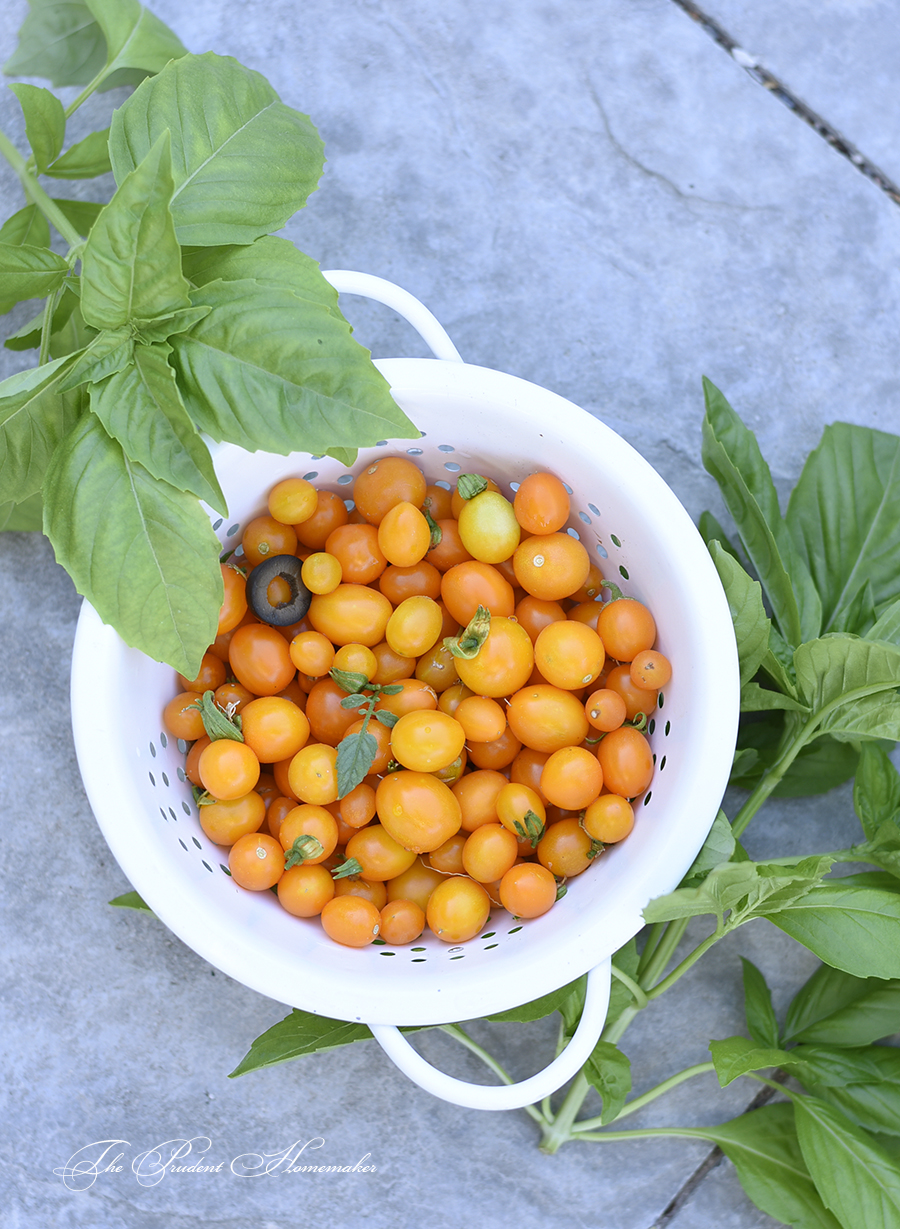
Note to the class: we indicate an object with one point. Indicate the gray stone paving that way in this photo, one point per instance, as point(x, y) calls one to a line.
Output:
point(598, 199)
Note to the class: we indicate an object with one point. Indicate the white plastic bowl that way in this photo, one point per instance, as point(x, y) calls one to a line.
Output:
point(472, 419)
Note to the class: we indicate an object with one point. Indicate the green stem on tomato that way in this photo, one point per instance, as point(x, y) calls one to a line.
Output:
point(453, 1030)
point(36, 193)
point(590, 1124)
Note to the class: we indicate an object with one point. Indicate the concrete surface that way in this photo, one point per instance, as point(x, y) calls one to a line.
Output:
point(596, 198)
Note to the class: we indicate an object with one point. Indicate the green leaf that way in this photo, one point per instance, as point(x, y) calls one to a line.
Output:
point(609, 1071)
point(105, 354)
point(853, 683)
point(297, 1034)
point(132, 264)
point(26, 517)
point(758, 1009)
point(82, 214)
point(876, 790)
point(857, 1180)
point(28, 226)
point(735, 1056)
point(267, 370)
point(821, 765)
point(34, 417)
point(28, 273)
point(270, 260)
point(837, 1008)
point(135, 38)
point(626, 959)
point(131, 900)
point(863, 1083)
point(731, 454)
point(346, 456)
point(711, 531)
point(755, 699)
point(59, 40)
point(537, 1009)
point(28, 337)
point(572, 1006)
point(84, 160)
point(887, 627)
point(765, 1152)
point(843, 516)
point(745, 889)
point(716, 849)
point(850, 923)
point(45, 122)
point(355, 756)
point(141, 407)
point(228, 126)
point(143, 553)
point(751, 624)
point(164, 327)
point(217, 723)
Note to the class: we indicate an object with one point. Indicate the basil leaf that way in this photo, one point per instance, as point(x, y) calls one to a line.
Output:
point(132, 264)
point(609, 1071)
point(887, 626)
point(268, 370)
point(131, 900)
point(711, 531)
point(221, 144)
point(28, 273)
point(758, 1009)
point(537, 1009)
point(85, 159)
point(864, 1084)
point(59, 40)
point(751, 625)
point(27, 226)
point(166, 326)
point(746, 890)
point(346, 456)
point(34, 418)
point(297, 1034)
point(716, 849)
point(843, 514)
point(140, 407)
point(270, 260)
point(731, 454)
point(45, 122)
point(28, 337)
point(108, 352)
point(765, 1152)
point(850, 923)
point(143, 553)
point(856, 1178)
point(26, 517)
point(82, 214)
point(820, 766)
point(736, 1056)
point(756, 699)
point(876, 790)
point(135, 38)
point(355, 756)
point(854, 683)
point(838, 1008)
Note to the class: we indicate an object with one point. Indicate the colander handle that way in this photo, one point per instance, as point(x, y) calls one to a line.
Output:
point(507, 1096)
point(401, 301)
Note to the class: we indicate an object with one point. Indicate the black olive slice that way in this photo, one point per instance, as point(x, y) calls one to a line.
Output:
point(288, 567)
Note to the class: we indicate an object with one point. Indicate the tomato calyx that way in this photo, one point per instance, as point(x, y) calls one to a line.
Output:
point(530, 828)
point(597, 847)
point(638, 722)
point(470, 485)
point(617, 594)
point(436, 532)
point(352, 866)
point(303, 848)
point(202, 797)
point(469, 641)
point(217, 721)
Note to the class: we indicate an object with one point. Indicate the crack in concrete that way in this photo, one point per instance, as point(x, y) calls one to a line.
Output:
point(761, 75)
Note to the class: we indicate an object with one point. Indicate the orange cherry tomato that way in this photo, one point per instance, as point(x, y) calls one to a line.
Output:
point(312, 653)
point(182, 719)
point(568, 654)
point(352, 614)
point(260, 659)
point(264, 537)
point(489, 852)
point(314, 822)
point(626, 628)
point(422, 579)
point(223, 822)
point(402, 921)
point(234, 605)
point(379, 855)
point(476, 793)
point(546, 718)
point(497, 754)
point(437, 668)
point(415, 884)
point(329, 514)
point(551, 566)
point(650, 671)
point(427, 741)
point(447, 858)
point(313, 774)
point(482, 719)
point(605, 709)
point(609, 818)
point(572, 778)
point(418, 811)
point(210, 675)
point(228, 769)
point(305, 890)
point(357, 551)
point(527, 890)
point(274, 728)
point(469, 585)
point(541, 503)
point(458, 909)
point(256, 861)
point(404, 535)
point(414, 626)
point(321, 572)
point(450, 550)
point(351, 920)
point(535, 614)
point(565, 849)
point(502, 664)
point(626, 760)
point(384, 484)
point(292, 500)
point(636, 699)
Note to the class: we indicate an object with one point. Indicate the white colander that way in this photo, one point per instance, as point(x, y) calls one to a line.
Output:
point(472, 419)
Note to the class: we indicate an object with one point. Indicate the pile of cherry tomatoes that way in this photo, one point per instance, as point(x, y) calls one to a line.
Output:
point(504, 698)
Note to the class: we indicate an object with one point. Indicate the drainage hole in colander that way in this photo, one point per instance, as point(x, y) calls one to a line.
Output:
point(594, 509)
point(446, 485)
point(412, 452)
point(660, 700)
point(181, 776)
point(573, 533)
point(344, 479)
point(648, 796)
point(515, 930)
point(654, 757)
point(662, 763)
point(182, 746)
point(379, 942)
point(313, 473)
point(185, 808)
point(383, 443)
point(651, 726)
point(163, 739)
point(183, 846)
point(229, 533)
point(387, 953)
point(514, 486)
point(174, 816)
point(162, 812)
point(615, 540)
point(152, 779)
point(207, 865)
point(218, 522)
point(568, 488)
point(418, 949)
point(418, 960)
point(668, 727)
point(490, 934)
point(153, 750)
point(223, 867)
point(584, 517)
point(490, 947)
point(602, 551)
point(452, 467)
point(196, 842)
point(165, 780)
point(457, 957)
point(455, 949)
point(446, 448)
point(349, 505)
point(623, 572)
